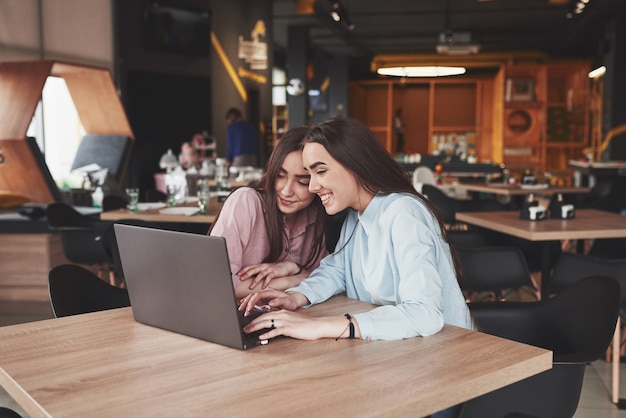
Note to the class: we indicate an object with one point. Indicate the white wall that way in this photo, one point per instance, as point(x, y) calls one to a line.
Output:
point(76, 31)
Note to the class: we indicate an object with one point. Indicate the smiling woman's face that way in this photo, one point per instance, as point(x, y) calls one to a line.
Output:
point(336, 186)
point(292, 185)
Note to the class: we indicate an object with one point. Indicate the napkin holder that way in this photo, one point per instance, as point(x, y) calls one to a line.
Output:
point(528, 178)
point(532, 211)
point(559, 209)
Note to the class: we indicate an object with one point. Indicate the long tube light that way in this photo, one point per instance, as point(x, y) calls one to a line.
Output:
point(421, 71)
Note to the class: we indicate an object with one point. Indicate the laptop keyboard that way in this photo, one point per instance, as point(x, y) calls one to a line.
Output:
point(252, 338)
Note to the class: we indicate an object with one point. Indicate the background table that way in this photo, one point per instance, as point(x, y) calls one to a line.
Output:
point(155, 215)
point(105, 364)
point(587, 224)
point(518, 190)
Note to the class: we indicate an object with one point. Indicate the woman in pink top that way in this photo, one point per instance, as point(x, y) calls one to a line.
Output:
point(274, 231)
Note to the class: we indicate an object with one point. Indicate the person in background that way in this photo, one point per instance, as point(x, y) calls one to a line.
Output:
point(242, 140)
point(274, 231)
point(398, 124)
point(188, 157)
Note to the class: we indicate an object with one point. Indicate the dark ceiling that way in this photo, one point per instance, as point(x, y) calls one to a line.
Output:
point(414, 26)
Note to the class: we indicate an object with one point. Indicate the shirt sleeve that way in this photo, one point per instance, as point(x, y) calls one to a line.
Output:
point(329, 278)
point(241, 223)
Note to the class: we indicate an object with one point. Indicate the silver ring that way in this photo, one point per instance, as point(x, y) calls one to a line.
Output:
point(273, 324)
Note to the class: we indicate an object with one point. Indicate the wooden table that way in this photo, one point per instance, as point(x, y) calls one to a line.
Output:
point(518, 190)
point(155, 215)
point(105, 364)
point(587, 224)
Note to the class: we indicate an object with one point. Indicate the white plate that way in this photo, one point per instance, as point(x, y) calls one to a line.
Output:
point(179, 211)
point(150, 205)
point(534, 186)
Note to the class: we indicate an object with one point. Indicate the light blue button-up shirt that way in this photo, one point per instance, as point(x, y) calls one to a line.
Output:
point(394, 256)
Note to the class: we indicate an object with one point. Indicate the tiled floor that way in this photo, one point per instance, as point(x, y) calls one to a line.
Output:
point(595, 401)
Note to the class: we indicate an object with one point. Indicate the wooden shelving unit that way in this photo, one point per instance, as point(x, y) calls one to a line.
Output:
point(557, 112)
point(432, 108)
point(527, 116)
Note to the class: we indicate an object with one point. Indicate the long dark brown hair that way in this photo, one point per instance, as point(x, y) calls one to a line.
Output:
point(274, 218)
point(356, 148)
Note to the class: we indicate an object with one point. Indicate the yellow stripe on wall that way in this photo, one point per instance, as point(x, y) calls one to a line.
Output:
point(229, 67)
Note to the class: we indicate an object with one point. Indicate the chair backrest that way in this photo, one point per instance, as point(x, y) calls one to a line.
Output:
point(62, 215)
point(493, 268)
point(112, 202)
point(446, 205)
point(449, 206)
point(422, 175)
point(109, 243)
point(80, 234)
point(75, 290)
point(570, 268)
point(577, 325)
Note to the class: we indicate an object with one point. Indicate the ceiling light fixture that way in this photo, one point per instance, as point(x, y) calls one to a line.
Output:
point(598, 72)
point(576, 7)
point(422, 71)
point(340, 14)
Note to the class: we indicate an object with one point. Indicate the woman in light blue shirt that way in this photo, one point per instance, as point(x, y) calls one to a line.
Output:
point(392, 252)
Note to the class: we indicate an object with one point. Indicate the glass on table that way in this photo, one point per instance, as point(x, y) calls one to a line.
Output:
point(204, 194)
point(133, 198)
point(172, 190)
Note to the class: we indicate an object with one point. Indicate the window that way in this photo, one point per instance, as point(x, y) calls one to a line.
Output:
point(58, 131)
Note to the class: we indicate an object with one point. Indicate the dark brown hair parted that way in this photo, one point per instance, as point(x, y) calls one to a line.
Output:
point(274, 219)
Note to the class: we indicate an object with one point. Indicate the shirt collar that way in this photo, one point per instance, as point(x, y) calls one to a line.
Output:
point(369, 215)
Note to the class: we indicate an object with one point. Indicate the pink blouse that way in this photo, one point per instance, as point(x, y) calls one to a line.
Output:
point(242, 224)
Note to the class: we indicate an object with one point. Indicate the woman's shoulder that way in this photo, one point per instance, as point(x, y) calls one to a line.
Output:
point(245, 193)
point(402, 204)
point(245, 196)
point(400, 200)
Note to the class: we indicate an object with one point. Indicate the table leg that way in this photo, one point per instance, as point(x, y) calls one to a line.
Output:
point(616, 363)
point(545, 268)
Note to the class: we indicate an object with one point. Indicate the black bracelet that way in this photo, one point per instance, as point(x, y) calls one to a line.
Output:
point(299, 269)
point(350, 326)
point(351, 336)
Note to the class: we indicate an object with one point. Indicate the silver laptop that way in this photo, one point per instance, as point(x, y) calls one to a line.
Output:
point(182, 282)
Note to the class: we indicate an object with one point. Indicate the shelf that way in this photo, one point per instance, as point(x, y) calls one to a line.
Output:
point(535, 104)
point(565, 145)
point(454, 129)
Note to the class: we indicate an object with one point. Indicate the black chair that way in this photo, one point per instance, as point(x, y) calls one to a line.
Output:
point(495, 270)
point(109, 242)
point(468, 238)
point(608, 248)
point(448, 206)
point(571, 267)
point(80, 235)
point(75, 290)
point(112, 202)
point(577, 325)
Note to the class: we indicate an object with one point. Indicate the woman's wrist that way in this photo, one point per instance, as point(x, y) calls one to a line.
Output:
point(299, 267)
